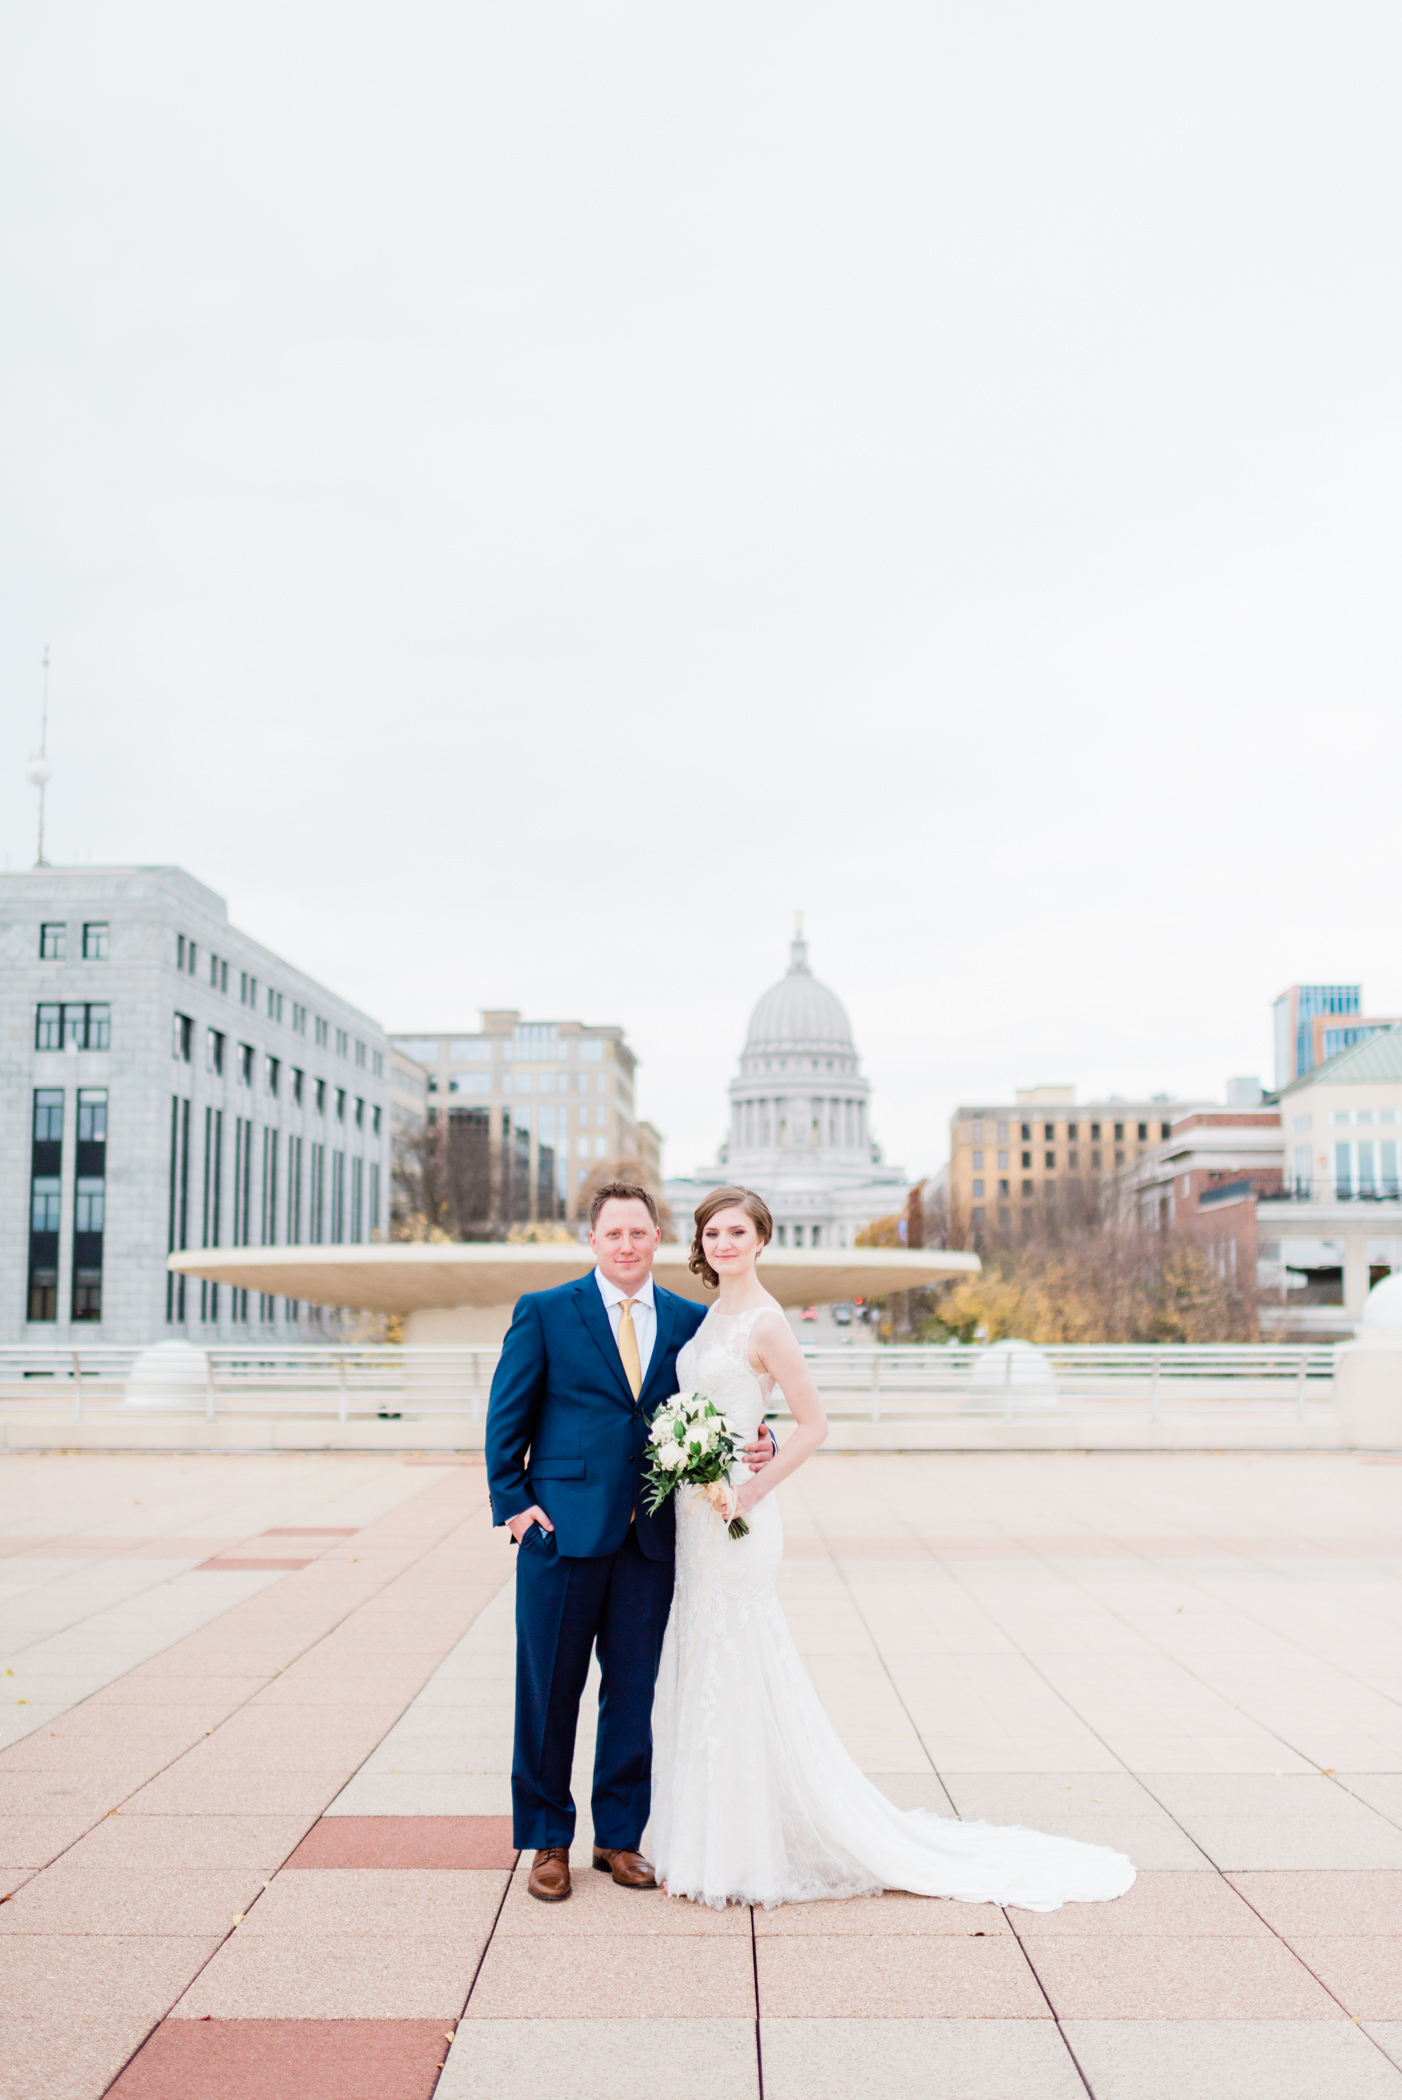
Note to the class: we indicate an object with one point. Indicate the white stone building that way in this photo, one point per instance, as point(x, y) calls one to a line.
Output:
point(799, 1122)
point(167, 1082)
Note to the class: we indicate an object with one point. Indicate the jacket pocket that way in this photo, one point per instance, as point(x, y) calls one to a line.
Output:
point(557, 1469)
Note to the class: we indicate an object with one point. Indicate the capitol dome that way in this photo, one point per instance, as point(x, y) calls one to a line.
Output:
point(799, 1016)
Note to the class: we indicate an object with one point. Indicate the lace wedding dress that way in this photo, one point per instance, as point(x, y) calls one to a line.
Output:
point(754, 1799)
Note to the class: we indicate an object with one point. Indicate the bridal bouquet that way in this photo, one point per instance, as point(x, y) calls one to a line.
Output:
point(695, 1445)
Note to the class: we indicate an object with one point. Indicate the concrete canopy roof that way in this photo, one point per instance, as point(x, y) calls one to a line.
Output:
point(416, 1278)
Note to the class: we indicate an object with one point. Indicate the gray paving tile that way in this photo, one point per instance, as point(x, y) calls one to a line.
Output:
point(1388, 2036)
point(1101, 1808)
point(1231, 2060)
point(916, 2060)
point(425, 1794)
point(602, 2060)
point(1381, 1790)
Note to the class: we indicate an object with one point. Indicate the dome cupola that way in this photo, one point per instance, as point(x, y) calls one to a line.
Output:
point(798, 1017)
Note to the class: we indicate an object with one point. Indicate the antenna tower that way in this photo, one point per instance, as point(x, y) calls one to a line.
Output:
point(38, 770)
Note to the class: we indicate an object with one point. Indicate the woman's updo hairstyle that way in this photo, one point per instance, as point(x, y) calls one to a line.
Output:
point(755, 1209)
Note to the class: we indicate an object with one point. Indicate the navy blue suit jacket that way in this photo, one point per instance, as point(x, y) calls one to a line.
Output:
point(563, 1428)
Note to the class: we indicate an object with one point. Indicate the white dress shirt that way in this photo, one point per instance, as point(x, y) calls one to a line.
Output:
point(644, 1314)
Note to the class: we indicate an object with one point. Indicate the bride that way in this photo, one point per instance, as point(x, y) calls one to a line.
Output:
point(754, 1798)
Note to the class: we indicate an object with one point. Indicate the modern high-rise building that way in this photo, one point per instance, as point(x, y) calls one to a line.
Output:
point(166, 1082)
point(542, 1103)
point(1314, 1022)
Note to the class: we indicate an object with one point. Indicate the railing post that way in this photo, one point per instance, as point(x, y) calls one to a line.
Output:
point(341, 1403)
point(876, 1383)
point(1300, 1370)
point(77, 1388)
point(1008, 1387)
point(209, 1395)
point(1154, 1387)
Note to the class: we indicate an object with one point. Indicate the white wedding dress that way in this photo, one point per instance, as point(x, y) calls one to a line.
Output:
point(754, 1799)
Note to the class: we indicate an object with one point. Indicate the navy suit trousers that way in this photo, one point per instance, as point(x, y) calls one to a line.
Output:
point(564, 1606)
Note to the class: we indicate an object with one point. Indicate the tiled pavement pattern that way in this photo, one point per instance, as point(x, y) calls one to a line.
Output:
point(258, 1839)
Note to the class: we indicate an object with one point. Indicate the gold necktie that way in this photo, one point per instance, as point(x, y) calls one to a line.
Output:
point(628, 1347)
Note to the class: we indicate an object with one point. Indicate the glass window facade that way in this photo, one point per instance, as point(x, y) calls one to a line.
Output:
point(45, 1198)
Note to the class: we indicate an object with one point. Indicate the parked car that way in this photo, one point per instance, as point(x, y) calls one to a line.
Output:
point(842, 1315)
point(810, 1312)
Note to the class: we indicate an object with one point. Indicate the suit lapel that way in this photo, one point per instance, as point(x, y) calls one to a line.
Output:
point(664, 1313)
point(591, 1309)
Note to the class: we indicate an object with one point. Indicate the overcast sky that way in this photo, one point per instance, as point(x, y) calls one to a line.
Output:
point(523, 497)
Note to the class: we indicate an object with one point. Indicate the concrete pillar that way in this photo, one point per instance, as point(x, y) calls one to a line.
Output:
point(1355, 1274)
point(1368, 1394)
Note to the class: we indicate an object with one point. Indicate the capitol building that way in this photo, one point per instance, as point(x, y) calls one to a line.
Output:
point(799, 1129)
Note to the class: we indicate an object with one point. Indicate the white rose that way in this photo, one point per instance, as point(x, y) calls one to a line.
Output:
point(674, 1457)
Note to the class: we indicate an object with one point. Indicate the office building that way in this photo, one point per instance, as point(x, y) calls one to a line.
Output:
point(169, 1083)
point(1314, 1022)
point(1010, 1160)
point(542, 1102)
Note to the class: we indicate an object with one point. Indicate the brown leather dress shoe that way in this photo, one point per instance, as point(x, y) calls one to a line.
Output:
point(629, 1869)
point(550, 1875)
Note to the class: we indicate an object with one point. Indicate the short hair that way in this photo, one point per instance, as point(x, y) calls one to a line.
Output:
point(621, 1192)
point(755, 1209)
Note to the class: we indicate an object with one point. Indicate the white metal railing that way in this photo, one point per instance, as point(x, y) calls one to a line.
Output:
point(897, 1382)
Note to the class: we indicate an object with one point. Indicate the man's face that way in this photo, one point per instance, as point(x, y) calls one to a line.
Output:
point(624, 1242)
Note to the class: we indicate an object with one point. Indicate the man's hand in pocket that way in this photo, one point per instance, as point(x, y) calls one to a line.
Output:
point(519, 1526)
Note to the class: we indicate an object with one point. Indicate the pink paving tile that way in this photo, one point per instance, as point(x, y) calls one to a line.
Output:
point(98, 1975)
point(632, 1979)
point(192, 1844)
point(1365, 1975)
point(32, 1841)
point(1325, 1903)
point(65, 2055)
point(183, 1791)
point(69, 1898)
point(890, 1914)
point(245, 1563)
point(1178, 1979)
point(310, 1531)
point(339, 1977)
point(287, 2060)
point(1182, 1904)
point(600, 1910)
point(391, 1903)
point(904, 1977)
point(407, 1841)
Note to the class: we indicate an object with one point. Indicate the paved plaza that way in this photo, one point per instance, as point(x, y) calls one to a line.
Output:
point(254, 1829)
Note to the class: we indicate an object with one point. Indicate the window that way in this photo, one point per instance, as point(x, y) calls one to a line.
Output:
point(298, 1081)
point(178, 1201)
point(1143, 1132)
point(213, 1051)
point(1073, 1160)
point(342, 1042)
point(248, 990)
point(601, 1115)
point(1026, 1133)
point(180, 951)
point(588, 1048)
point(1094, 1160)
point(978, 1133)
point(89, 1203)
point(190, 957)
point(1119, 1159)
point(377, 1064)
point(360, 1054)
point(978, 1188)
point(1002, 1159)
point(1072, 1131)
point(274, 1006)
point(299, 1019)
point(601, 1148)
point(96, 939)
point(1095, 1133)
point(1050, 1162)
point(272, 1073)
point(978, 1159)
point(72, 1027)
point(1026, 1188)
point(1002, 1188)
point(462, 1050)
point(322, 1033)
point(1119, 1132)
point(182, 1034)
point(1027, 1159)
point(359, 1114)
point(340, 1104)
point(45, 1184)
point(321, 1097)
point(1002, 1133)
point(375, 1119)
point(53, 941)
point(245, 1068)
point(1049, 1131)
point(1165, 1130)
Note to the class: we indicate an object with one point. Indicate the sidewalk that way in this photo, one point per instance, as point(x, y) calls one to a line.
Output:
point(258, 1843)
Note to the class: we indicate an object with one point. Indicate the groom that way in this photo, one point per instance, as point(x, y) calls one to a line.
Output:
point(582, 1371)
